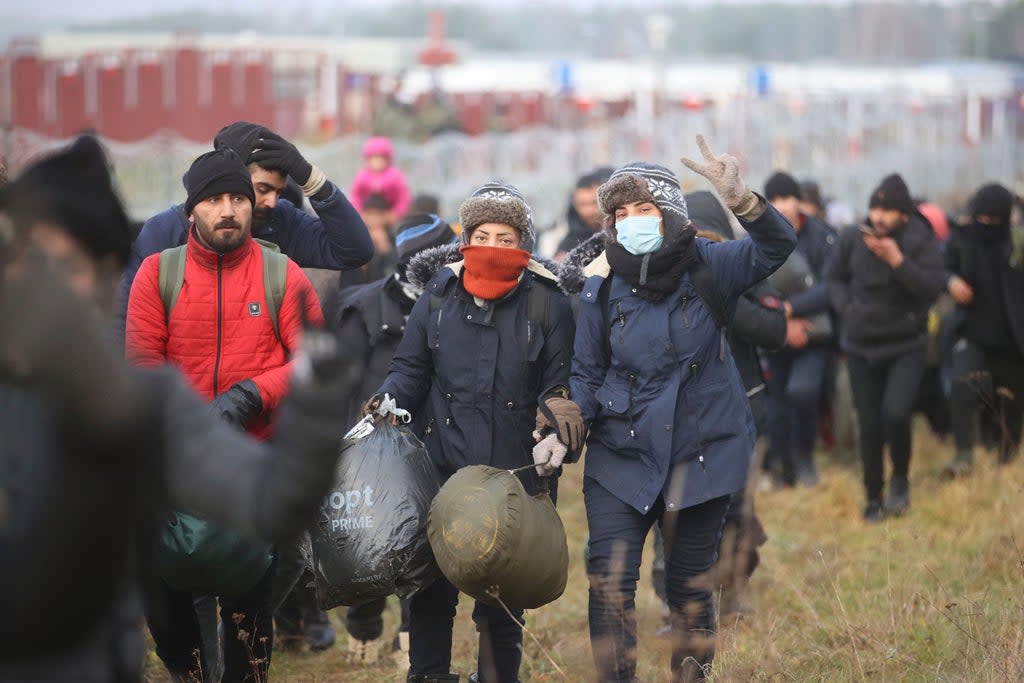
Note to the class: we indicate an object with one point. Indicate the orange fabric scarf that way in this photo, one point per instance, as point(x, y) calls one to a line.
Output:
point(492, 272)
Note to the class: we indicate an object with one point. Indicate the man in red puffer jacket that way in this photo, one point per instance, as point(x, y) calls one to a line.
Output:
point(231, 337)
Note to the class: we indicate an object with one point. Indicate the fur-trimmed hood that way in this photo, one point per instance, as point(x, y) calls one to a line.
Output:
point(425, 266)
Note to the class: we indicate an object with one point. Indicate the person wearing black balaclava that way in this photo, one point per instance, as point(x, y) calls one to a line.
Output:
point(988, 352)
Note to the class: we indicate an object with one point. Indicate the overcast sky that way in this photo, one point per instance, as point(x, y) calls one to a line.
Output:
point(17, 17)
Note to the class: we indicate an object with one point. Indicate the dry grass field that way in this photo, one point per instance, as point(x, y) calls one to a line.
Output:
point(937, 595)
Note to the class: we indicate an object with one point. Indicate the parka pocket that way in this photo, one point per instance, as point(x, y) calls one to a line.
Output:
point(613, 399)
point(614, 424)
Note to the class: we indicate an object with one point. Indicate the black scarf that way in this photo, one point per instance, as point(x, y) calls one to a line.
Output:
point(656, 275)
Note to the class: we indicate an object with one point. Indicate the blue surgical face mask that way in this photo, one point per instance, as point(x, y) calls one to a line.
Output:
point(640, 234)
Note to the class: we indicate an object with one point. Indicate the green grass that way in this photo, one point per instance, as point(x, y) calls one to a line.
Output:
point(933, 596)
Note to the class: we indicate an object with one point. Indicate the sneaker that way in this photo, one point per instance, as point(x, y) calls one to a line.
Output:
point(874, 512)
point(961, 465)
point(363, 651)
point(898, 500)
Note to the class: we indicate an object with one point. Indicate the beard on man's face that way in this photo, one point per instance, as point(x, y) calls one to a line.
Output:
point(223, 236)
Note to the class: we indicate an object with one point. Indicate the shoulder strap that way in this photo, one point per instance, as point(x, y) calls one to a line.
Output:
point(171, 276)
point(537, 304)
point(275, 279)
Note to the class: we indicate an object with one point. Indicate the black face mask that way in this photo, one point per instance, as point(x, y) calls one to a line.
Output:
point(984, 232)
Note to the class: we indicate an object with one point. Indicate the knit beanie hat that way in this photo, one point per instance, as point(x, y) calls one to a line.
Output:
point(992, 200)
point(419, 232)
point(215, 173)
point(643, 182)
point(781, 184)
point(73, 188)
point(497, 202)
point(892, 194)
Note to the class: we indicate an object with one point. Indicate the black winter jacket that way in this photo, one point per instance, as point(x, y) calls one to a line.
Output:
point(884, 311)
point(370, 321)
point(473, 376)
point(995, 318)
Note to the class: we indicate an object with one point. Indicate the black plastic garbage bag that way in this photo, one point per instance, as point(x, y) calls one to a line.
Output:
point(489, 535)
point(370, 541)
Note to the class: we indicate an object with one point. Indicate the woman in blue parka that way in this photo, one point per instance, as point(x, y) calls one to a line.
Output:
point(671, 434)
point(484, 361)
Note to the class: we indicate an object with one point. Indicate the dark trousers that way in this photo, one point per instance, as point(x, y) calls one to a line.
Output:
point(431, 616)
point(795, 389)
point(248, 632)
point(883, 396)
point(366, 621)
point(617, 534)
point(978, 376)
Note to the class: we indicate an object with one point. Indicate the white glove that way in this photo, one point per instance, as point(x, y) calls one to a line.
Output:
point(548, 455)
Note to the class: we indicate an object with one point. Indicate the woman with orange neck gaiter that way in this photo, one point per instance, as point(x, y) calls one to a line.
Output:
point(476, 366)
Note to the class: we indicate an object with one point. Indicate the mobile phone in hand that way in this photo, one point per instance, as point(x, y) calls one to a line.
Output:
point(867, 229)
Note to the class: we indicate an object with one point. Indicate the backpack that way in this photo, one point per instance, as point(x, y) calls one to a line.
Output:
point(275, 274)
point(703, 281)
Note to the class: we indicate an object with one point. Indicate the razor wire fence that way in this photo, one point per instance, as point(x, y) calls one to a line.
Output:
point(944, 148)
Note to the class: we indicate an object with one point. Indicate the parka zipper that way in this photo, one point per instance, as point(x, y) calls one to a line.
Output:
point(621, 319)
point(632, 379)
point(220, 312)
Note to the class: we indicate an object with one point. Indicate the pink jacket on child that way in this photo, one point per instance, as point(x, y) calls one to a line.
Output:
point(390, 182)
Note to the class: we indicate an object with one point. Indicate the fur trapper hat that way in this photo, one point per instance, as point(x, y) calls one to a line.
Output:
point(497, 202)
point(643, 182)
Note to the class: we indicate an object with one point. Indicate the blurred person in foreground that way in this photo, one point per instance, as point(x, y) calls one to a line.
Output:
point(86, 482)
point(882, 280)
point(988, 327)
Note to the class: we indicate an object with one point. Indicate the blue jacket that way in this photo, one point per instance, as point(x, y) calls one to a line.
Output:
point(472, 377)
point(335, 239)
point(667, 409)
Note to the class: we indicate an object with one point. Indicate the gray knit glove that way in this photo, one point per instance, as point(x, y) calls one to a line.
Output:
point(723, 172)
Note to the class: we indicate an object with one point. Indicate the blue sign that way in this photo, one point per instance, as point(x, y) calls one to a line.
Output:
point(761, 80)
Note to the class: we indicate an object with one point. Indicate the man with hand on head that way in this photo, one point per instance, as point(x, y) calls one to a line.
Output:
point(335, 238)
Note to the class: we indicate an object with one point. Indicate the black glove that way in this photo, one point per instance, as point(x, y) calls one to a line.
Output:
point(273, 151)
point(239, 404)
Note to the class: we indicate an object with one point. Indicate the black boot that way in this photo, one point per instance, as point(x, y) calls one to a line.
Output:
point(806, 471)
point(432, 678)
point(898, 500)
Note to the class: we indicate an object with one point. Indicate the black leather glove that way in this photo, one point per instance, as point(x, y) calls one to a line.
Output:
point(239, 404)
point(274, 151)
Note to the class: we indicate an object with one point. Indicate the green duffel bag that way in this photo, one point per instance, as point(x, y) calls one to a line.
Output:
point(489, 535)
point(195, 555)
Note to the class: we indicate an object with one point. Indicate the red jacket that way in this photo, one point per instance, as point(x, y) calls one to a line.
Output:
point(219, 331)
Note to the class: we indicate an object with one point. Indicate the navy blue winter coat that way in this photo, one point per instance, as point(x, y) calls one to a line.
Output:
point(473, 376)
point(335, 239)
point(667, 409)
